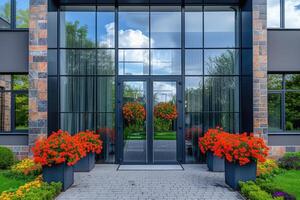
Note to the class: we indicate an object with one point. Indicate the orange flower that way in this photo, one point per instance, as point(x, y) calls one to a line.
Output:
point(165, 111)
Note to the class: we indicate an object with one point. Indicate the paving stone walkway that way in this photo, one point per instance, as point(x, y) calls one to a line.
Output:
point(105, 182)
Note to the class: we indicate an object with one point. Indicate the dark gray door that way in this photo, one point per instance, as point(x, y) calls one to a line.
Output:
point(147, 135)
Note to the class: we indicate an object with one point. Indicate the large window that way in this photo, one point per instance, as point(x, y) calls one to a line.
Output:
point(14, 103)
point(14, 14)
point(284, 102)
point(283, 13)
point(203, 52)
point(87, 73)
point(211, 73)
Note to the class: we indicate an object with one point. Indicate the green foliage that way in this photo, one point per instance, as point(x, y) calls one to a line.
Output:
point(253, 192)
point(290, 160)
point(18, 176)
point(45, 192)
point(161, 125)
point(6, 158)
point(5, 11)
point(9, 183)
point(287, 181)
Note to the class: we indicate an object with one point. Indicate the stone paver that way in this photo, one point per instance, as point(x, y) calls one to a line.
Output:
point(105, 182)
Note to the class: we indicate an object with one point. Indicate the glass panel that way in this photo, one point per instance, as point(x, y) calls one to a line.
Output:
point(5, 13)
point(106, 29)
point(87, 121)
point(20, 82)
point(69, 122)
point(133, 29)
point(221, 62)
point(193, 123)
point(292, 82)
point(193, 94)
point(219, 27)
point(5, 110)
point(134, 121)
point(193, 28)
point(77, 94)
point(77, 29)
point(106, 94)
point(133, 62)
point(274, 112)
point(273, 13)
point(292, 13)
point(292, 111)
point(21, 112)
point(221, 94)
point(22, 13)
point(165, 29)
point(275, 81)
point(193, 62)
point(165, 126)
point(228, 121)
point(106, 130)
point(106, 62)
point(77, 62)
point(165, 62)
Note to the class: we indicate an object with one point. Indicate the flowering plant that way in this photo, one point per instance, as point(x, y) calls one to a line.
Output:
point(207, 142)
point(165, 110)
point(88, 142)
point(58, 148)
point(240, 148)
point(27, 166)
point(134, 112)
point(266, 168)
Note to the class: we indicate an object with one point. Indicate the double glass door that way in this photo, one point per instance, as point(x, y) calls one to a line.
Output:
point(149, 120)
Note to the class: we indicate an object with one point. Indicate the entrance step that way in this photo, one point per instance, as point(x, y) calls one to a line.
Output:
point(150, 168)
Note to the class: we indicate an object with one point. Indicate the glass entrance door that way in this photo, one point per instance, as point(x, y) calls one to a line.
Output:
point(148, 120)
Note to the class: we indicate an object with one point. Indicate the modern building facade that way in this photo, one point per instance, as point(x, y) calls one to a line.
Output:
point(76, 65)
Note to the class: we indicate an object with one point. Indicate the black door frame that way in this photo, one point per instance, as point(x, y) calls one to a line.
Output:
point(180, 109)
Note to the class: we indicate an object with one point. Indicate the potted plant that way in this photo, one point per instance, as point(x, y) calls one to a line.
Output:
point(90, 144)
point(241, 152)
point(207, 144)
point(57, 154)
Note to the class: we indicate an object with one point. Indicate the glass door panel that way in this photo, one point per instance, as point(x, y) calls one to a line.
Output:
point(164, 121)
point(134, 121)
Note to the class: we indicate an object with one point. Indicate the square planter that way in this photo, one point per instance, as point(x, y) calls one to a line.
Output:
point(85, 164)
point(235, 173)
point(214, 163)
point(59, 173)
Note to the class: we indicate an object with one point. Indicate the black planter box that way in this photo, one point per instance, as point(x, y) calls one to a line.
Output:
point(59, 173)
point(235, 173)
point(214, 163)
point(85, 164)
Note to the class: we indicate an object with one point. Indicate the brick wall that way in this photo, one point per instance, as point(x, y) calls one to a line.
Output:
point(38, 69)
point(5, 103)
point(260, 69)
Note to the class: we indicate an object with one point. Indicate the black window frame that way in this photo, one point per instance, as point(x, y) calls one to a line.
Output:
point(13, 95)
point(13, 17)
point(282, 93)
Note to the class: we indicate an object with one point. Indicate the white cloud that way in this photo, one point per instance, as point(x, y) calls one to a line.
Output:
point(292, 14)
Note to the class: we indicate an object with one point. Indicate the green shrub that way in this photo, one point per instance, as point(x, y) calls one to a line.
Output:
point(46, 192)
point(290, 160)
point(6, 158)
point(253, 192)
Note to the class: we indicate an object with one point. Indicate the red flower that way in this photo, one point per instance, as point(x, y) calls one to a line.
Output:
point(165, 111)
point(133, 112)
